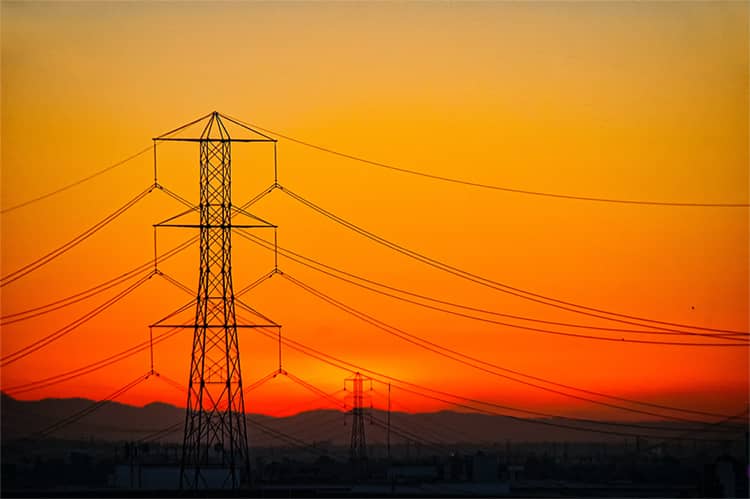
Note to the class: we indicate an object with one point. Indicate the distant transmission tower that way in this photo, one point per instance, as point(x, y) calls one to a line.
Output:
point(215, 446)
point(358, 443)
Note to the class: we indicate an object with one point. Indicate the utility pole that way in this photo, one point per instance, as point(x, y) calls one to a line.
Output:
point(215, 447)
point(388, 432)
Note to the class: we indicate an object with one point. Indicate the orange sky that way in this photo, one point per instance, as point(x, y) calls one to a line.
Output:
point(631, 100)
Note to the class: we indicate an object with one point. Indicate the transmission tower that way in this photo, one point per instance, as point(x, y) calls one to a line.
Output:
point(358, 443)
point(215, 446)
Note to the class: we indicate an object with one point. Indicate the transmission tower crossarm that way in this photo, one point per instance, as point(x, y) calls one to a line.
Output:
point(218, 326)
point(209, 226)
point(180, 139)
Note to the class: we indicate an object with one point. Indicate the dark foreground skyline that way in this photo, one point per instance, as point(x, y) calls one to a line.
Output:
point(122, 450)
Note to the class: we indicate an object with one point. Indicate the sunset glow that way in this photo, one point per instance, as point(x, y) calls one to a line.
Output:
point(642, 101)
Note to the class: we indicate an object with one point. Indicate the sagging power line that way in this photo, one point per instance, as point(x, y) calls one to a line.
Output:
point(480, 185)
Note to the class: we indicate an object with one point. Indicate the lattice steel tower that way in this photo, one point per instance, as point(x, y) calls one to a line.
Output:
point(215, 445)
point(358, 443)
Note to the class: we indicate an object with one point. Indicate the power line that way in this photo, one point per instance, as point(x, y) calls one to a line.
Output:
point(409, 435)
point(430, 429)
point(590, 337)
point(88, 410)
point(707, 427)
point(450, 430)
point(77, 182)
point(255, 283)
point(325, 421)
point(71, 300)
point(169, 381)
point(319, 266)
point(90, 368)
point(43, 342)
point(641, 426)
point(315, 390)
point(497, 187)
point(153, 437)
point(93, 291)
point(259, 196)
point(285, 437)
point(547, 422)
point(266, 245)
point(316, 265)
point(333, 361)
point(176, 283)
point(563, 333)
point(176, 196)
point(292, 441)
point(262, 381)
point(183, 127)
point(381, 324)
point(504, 288)
point(41, 261)
point(455, 355)
point(391, 329)
point(379, 377)
point(312, 404)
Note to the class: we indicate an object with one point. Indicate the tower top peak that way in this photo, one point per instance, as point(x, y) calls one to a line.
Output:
point(215, 126)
